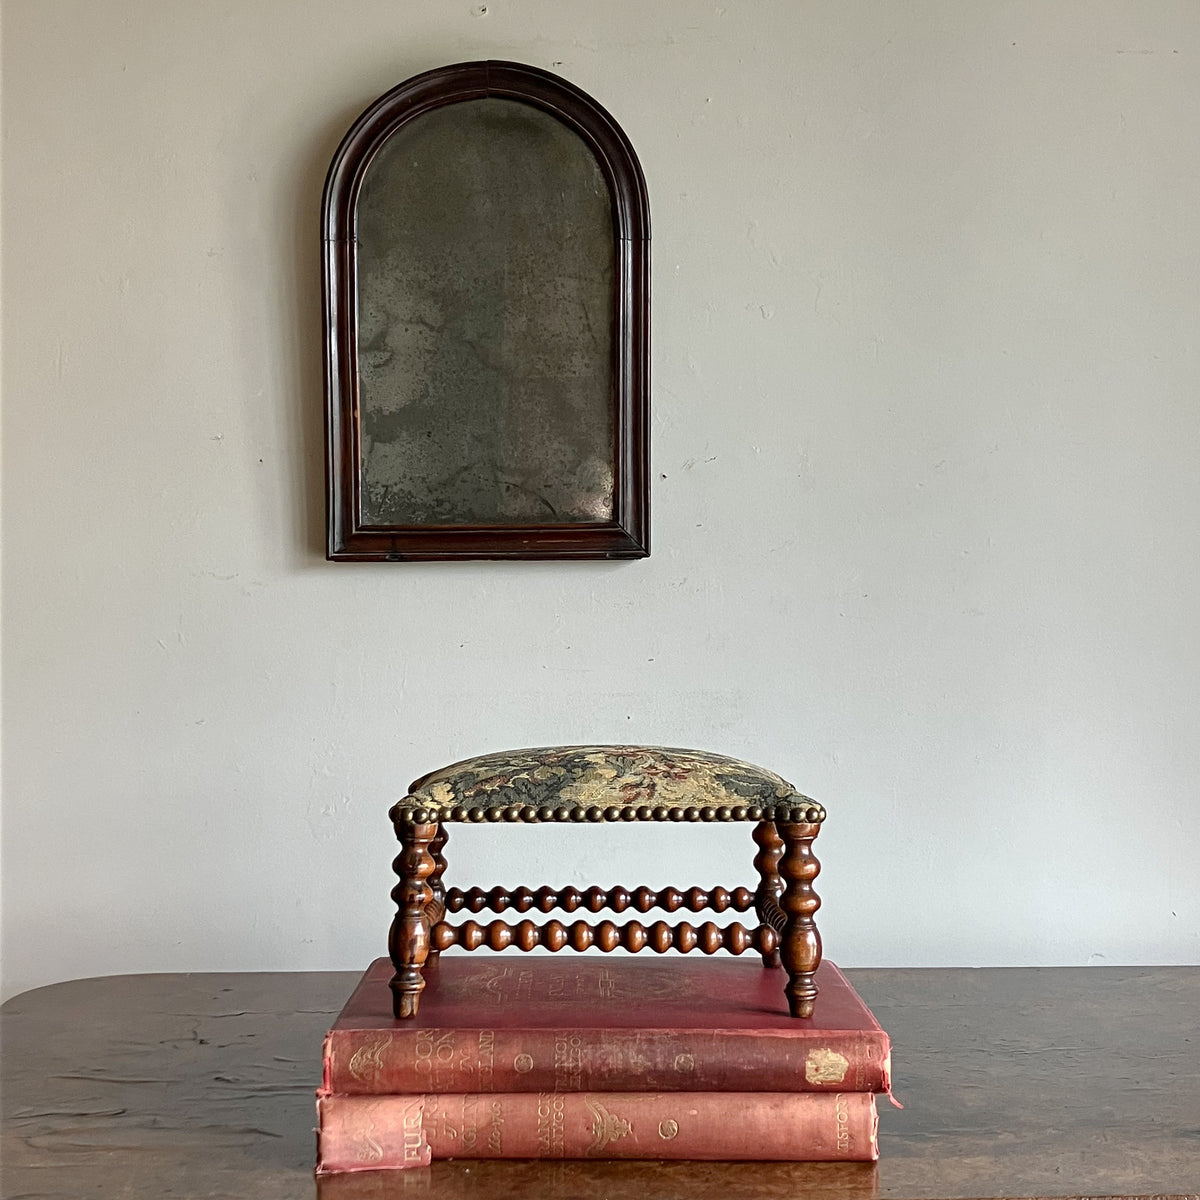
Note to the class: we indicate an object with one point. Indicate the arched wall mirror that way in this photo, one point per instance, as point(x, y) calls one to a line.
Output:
point(486, 321)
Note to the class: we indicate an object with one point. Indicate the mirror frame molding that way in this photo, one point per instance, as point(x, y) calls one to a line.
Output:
point(627, 535)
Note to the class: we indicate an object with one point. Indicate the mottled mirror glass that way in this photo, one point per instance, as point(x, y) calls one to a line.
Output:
point(485, 323)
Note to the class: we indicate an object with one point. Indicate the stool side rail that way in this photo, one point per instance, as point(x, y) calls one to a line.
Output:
point(660, 936)
point(595, 899)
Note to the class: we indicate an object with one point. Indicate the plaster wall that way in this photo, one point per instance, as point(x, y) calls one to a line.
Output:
point(926, 508)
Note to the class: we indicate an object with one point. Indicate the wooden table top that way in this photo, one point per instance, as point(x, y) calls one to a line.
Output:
point(1022, 1082)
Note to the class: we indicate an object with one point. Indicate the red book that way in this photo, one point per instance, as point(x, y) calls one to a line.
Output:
point(556, 1024)
point(366, 1133)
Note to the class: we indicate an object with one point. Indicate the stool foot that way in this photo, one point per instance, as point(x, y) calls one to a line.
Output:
point(801, 943)
point(405, 1004)
point(408, 941)
point(801, 994)
point(770, 886)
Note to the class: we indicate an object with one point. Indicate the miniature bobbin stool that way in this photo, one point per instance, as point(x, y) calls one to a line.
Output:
point(607, 783)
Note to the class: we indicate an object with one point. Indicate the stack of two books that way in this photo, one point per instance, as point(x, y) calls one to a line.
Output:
point(599, 1058)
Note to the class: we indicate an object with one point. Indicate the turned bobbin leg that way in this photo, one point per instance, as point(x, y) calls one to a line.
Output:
point(801, 944)
point(770, 886)
point(409, 938)
point(435, 910)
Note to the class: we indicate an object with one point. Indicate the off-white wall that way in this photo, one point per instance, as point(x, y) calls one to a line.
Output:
point(926, 504)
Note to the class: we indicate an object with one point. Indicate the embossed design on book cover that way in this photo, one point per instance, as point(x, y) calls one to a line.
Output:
point(500, 985)
point(825, 1066)
point(606, 1126)
point(367, 1061)
point(367, 1148)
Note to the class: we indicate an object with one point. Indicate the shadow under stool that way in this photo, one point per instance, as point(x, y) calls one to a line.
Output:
point(595, 784)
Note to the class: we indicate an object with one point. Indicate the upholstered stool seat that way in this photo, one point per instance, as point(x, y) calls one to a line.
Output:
point(611, 783)
point(596, 784)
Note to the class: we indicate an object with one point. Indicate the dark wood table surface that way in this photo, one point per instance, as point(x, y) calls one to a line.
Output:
point(1015, 1082)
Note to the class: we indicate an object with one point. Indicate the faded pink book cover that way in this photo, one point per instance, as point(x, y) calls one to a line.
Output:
point(366, 1133)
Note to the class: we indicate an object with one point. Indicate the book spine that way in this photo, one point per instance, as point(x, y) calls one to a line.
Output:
point(410, 1061)
point(363, 1133)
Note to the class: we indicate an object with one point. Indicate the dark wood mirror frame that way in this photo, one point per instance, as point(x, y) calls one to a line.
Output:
point(626, 533)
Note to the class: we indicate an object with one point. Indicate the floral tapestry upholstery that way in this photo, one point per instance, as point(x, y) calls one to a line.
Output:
point(606, 782)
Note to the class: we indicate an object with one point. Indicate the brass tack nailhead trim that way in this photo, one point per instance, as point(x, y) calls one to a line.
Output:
point(812, 814)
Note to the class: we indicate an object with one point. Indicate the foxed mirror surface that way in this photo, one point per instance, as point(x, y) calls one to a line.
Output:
point(485, 269)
